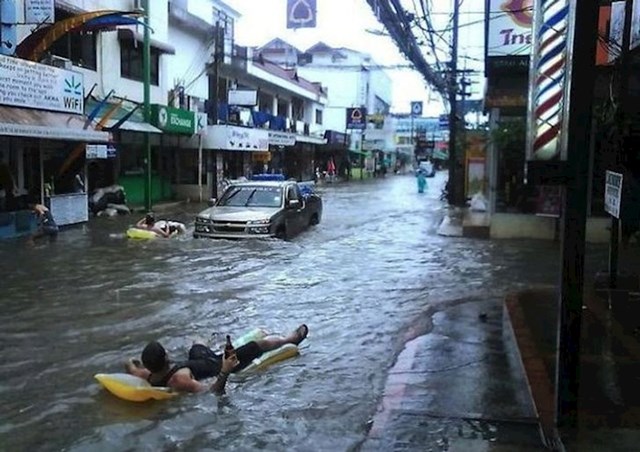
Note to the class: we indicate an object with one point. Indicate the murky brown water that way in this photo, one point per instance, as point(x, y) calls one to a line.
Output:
point(84, 303)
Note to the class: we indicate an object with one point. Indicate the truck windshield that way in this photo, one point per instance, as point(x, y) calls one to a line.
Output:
point(248, 196)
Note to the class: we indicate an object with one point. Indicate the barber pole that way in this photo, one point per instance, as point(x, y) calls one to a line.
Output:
point(548, 74)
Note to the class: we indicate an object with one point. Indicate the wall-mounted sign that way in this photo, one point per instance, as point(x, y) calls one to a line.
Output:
point(281, 138)
point(232, 138)
point(33, 85)
point(173, 120)
point(100, 151)
point(39, 12)
point(356, 118)
point(613, 193)
point(243, 97)
point(301, 13)
point(509, 27)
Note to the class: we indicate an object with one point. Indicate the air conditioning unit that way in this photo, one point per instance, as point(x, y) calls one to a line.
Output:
point(57, 61)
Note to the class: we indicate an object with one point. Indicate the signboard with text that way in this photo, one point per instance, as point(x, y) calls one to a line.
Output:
point(281, 138)
point(356, 118)
point(613, 193)
point(173, 120)
point(509, 27)
point(39, 12)
point(243, 97)
point(100, 151)
point(33, 85)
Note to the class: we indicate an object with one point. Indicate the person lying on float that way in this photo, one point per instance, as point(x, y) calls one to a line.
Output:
point(203, 363)
point(149, 223)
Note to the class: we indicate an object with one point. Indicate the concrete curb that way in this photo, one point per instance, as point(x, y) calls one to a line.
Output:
point(540, 388)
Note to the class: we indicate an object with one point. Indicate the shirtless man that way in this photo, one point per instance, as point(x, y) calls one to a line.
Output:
point(203, 363)
point(149, 223)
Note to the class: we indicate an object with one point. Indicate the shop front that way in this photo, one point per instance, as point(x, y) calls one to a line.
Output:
point(179, 168)
point(231, 151)
point(126, 162)
point(299, 162)
point(43, 138)
point(280, 143)
point(333, 156)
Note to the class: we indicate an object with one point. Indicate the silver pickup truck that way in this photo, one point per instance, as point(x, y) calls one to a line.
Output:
point(257, 209)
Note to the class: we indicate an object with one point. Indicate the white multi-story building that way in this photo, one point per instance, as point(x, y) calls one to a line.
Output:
point(352, 78)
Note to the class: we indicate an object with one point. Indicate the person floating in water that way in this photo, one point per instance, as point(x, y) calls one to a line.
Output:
point(203, 363)
point(149, 223)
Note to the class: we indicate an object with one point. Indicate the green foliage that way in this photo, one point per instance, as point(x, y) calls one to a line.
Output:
point(510, 134)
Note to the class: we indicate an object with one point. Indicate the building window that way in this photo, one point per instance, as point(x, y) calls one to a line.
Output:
point(131, 62)
point(319, 117)
point(297, 107)
point(80, 48)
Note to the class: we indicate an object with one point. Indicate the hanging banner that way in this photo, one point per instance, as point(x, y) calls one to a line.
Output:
point(301, 13)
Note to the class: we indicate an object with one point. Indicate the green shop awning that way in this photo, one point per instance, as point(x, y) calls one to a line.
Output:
point(353, 151)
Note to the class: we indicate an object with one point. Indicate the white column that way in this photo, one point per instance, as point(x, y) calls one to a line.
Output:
point(492, 153)
point(274, 106)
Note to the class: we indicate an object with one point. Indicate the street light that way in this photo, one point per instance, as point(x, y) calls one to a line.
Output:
point(146, 81)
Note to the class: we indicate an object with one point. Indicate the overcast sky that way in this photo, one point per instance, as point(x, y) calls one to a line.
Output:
point(344, 23)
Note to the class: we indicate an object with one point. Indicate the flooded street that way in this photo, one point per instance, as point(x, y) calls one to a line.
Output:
point(84, 303)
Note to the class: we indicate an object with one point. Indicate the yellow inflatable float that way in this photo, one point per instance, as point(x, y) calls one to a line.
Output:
point(141, 234)
point(136, 389)
point(174, 227)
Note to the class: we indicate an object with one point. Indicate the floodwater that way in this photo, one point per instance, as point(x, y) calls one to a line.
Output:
point(84, 303)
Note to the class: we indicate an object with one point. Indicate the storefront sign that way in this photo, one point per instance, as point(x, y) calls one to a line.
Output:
point(52, 133)
point(232, 138)
point(336, 138)
point(100, 151)
point(173, 120)
point(509, 27)
point(243, 97)
point(356, 118)
point(281, 138)
point(39, 12)
point(613, 193)
point(33, 85)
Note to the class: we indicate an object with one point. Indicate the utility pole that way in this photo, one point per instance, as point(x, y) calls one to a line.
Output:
point(454, 194)
point(218, 55)
point(581, 67)
point(146, 81)
point(412, 141)
point(621, 116)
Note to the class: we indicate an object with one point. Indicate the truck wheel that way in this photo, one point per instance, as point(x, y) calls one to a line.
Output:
point(281, 233)
point(314, 220)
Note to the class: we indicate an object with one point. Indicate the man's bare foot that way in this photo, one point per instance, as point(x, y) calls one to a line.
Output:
point(301, 334)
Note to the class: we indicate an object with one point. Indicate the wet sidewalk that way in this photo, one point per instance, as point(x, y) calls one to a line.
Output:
point(609, 401)
point(456, 385)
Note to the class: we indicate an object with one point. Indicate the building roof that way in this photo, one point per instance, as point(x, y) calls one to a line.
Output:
point(290, 75)
point(277, 45)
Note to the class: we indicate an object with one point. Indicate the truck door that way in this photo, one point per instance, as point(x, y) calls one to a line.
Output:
point(295, 216)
